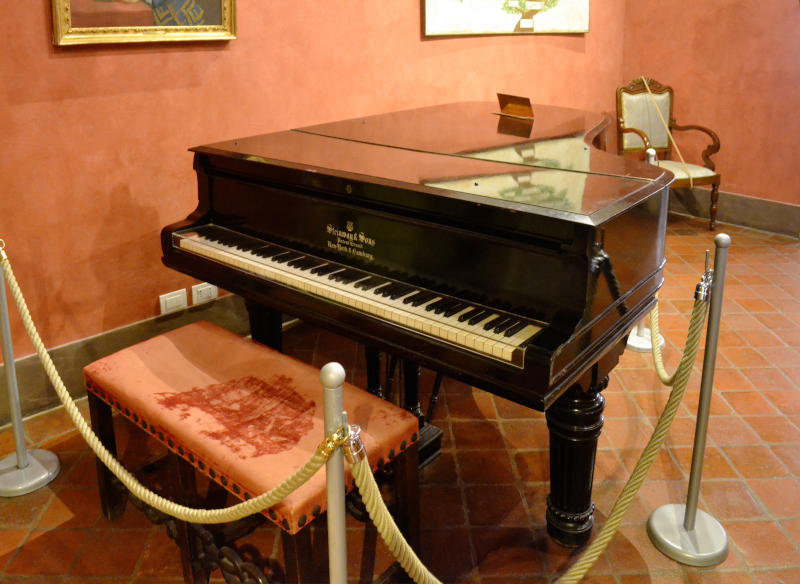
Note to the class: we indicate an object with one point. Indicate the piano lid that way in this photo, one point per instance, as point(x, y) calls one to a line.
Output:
point(454, 153)
point(558, 138)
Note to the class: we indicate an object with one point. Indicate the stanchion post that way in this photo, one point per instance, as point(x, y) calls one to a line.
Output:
point(722, 242)
point(11, 379)
point(332, 377)
point(683, 532)
point(22, 472)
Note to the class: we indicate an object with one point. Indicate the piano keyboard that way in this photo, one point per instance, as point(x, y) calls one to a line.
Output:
point(478, 328)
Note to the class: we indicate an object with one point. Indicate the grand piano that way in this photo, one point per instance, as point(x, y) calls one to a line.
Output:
point(509, 252)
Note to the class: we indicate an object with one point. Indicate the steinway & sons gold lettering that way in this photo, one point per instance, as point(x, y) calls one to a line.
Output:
point(350, 241)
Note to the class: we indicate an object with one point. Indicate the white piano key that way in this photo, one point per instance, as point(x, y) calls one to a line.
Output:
point(447, 328)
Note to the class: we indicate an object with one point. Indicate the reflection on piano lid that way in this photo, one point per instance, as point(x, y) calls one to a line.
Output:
point(567, 153)
point(556, 190)
point(552, 189)
point(470, 129)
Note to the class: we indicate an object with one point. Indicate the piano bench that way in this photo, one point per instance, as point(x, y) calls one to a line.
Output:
point(246, 417)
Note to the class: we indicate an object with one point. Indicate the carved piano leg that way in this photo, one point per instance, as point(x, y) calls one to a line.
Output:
point(575, 422)
point(373, 358)
point(266, 325)
point(430, 437)
point(411, 391)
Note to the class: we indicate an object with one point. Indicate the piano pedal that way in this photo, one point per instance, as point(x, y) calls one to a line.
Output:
point(430, 444)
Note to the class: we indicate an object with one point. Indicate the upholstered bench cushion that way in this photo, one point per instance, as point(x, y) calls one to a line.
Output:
point(244, 414)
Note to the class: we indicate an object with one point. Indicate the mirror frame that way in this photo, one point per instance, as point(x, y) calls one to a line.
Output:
point(65, 34)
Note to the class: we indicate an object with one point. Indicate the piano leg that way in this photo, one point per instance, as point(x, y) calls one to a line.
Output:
point(373, 359)
point(266, 326)
point(430, 437)
point(575, 421)
point(411, 390)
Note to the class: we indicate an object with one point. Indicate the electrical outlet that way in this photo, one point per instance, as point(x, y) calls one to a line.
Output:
point(204, 292)
point(173, 301)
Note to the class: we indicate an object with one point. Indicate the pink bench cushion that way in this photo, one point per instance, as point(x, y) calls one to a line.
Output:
point(244, 414)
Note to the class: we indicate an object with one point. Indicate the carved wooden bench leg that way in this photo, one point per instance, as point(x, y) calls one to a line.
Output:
point(183, 489)
point(112, 496)
point(299, 559)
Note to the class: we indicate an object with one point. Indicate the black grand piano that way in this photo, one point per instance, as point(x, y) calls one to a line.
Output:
point(510, 253)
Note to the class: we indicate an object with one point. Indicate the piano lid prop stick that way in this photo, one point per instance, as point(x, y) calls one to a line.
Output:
point(683, 532)
point(22, 472)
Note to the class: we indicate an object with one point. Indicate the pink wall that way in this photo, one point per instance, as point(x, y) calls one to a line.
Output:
point(734, 67)
point(93, 140)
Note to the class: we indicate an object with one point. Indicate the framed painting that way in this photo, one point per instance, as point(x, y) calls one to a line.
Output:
point(475, 17)
point(85, 22)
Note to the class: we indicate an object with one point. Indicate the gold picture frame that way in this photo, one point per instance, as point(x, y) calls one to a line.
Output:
point(88, 22)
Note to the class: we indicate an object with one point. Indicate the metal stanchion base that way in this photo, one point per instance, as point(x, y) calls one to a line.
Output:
point(641, 343)
point(43, 467)
point(705, 545)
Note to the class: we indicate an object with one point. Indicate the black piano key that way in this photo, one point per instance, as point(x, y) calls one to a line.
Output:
point(457, 307)
point(287, 256)
point(370, 283)
point(268, 251)
point(481, 316)
point(236, 240)
point(494, 322)
point(439, 305)
point(504, 325)
point(381, 289)
point(325, 269)
point(401, 291)
point(298, 262)
point(419, 298)
point(394, 290)
point(348, 276)
point(309, 263)
point(510, 332)
point(470, 313)
point(414, 297)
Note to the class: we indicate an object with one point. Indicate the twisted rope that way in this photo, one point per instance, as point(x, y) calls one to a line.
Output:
point(387, 528)
point(631, 488)
point(658, 361)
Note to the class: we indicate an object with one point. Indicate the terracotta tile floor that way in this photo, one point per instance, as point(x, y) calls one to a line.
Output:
point(483, 498)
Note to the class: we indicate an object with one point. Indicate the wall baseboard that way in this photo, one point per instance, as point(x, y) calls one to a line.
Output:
point(772, 216)
point(36, 394)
